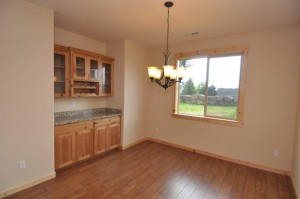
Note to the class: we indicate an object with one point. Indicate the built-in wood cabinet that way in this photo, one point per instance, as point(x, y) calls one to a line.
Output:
point(85, 73)
point(85, 78)
point(107, 134)
point(61, 71)
point(73, 143)
point(64, 149)
point(114, 136)
point(100, 133)
point(84, 143)
point(79, 141)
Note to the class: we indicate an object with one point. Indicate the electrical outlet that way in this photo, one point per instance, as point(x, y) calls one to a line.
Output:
point(22, 164)
point(275, 152)
point(156, 129)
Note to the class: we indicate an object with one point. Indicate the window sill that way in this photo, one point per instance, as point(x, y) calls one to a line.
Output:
point(209, 120)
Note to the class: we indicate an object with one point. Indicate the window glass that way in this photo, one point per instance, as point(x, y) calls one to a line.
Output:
point(212, 89)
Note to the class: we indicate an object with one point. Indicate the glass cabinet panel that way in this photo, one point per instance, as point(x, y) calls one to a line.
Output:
point(80, 67)
point(59, 67)
point(94, 69)
point(60, 73)
point(106, 78)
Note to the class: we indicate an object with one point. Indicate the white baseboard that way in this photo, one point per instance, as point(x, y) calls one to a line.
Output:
point(26, 185)
point(134, 143)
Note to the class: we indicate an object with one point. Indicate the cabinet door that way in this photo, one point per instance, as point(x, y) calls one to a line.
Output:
point(100, 139)
point(84, 144)
point(80, 67)
point(94, 69)
point(107, 79)
point(114, 136)
point(61, 72)
point(64, 149)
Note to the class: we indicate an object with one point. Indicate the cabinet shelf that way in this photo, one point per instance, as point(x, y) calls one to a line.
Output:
point(59, 67)
point(85, 94)
point(85, 87)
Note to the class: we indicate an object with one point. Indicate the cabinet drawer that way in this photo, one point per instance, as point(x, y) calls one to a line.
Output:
point(107, 121)
point(73, 127)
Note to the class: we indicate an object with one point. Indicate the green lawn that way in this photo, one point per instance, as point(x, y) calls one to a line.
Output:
point(220, 111)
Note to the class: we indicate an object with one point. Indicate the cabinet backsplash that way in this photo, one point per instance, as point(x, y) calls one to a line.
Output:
point(70, 104)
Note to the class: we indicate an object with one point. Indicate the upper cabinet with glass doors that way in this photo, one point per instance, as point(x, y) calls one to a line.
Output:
point(61, 71)
point(85, 67)
point(91, 74)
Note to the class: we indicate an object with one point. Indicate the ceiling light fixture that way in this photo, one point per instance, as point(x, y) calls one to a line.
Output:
point(169, 72)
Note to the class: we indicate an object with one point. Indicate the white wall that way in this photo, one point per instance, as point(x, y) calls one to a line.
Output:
point(26, 75)
point(69, 39)
point(135, 95)
point(270, 105)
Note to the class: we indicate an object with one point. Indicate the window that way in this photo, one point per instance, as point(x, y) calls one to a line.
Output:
point(213, 87)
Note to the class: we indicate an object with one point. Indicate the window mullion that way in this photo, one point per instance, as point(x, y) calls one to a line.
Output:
point(206, 87)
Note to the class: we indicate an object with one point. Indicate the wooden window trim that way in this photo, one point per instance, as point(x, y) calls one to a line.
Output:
point(243, 49)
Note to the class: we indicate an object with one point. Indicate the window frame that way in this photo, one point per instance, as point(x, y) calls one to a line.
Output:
point(227, 51)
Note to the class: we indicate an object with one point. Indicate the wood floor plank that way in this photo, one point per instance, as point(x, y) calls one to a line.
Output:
point(214, 187)
point(283, 187)
point(272, 189)
point(207, 175)
point(228, 182)
point(151, 170)
point(249, 189)
point(239, 183)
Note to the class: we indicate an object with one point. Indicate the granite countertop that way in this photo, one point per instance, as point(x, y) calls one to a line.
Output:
point(69, 117)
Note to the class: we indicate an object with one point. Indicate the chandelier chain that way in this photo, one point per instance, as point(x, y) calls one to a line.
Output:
point(168, 27)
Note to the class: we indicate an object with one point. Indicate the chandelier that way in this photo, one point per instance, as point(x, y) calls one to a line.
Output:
point(170, 74)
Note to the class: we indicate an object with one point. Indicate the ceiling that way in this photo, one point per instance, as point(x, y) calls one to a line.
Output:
point(145, 21)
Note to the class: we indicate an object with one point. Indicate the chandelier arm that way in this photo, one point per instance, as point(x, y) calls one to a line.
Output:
point(162, 75)
point(158, 82)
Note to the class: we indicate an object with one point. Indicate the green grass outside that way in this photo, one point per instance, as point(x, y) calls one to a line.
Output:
point(219, 111)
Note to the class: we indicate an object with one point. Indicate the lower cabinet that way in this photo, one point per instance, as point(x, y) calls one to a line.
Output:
point(79, 141)
point(64, 149)
point(107, 134)
point(84, 144)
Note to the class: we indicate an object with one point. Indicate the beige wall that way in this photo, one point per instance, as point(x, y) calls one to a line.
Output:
point(130, 93)
point(296, 155)
point(270, 105)
point(116, 49)
point(66, 38)
point(135, 95)
point(26, 74)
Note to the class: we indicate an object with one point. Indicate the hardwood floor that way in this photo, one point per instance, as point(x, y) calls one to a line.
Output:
point(152, 171)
